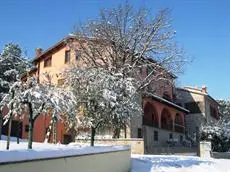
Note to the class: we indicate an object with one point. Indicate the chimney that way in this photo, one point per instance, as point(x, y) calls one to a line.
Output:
point(38, 52)
point(204, 89)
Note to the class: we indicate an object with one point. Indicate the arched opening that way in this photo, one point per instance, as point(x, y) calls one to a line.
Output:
point(150, 117)
point(178, 123)
point(166, 120)
point(166, 96)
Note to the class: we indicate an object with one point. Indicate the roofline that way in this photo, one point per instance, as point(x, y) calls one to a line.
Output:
point(64, 40)
point(59, 43)
point(213, 99)
point(200, 93)
point(171, 104)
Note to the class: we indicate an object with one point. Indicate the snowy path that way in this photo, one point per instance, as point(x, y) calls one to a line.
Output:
point(171, 163)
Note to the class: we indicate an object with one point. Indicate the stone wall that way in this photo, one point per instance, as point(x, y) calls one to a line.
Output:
point(137, 145)
point(163, 137)
point(221, 155)
point(114, 161)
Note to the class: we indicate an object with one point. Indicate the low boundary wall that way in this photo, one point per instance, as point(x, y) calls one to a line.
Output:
point(221, 155)
point(113, 161)
point(173, 150)
point(137, 145)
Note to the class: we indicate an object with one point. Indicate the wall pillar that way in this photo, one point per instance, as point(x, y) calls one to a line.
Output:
point(173, 121)
point(204, 150)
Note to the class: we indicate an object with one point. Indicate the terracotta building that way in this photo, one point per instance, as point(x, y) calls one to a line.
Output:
point(163, 119)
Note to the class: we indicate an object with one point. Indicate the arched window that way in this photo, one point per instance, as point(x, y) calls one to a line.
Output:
point(150, 117)
point(166, 120)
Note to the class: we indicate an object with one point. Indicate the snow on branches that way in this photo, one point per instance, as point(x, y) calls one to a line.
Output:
point(218, 133)
point(131, 41)
point(12, 65)
point(107, 98)
point(224, 107)
point(33, 99)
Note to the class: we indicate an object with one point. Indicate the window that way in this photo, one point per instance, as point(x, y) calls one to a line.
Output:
point(155, 135)
point(67, 56)
point(77, 55)
point(213, 112)
point(193, 107)
point(170, 136)
point(61, 81)
point(48, 62)
point(139, 133)
point(26, 128)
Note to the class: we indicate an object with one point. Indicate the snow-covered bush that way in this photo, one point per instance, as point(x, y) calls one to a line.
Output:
point(218, 133)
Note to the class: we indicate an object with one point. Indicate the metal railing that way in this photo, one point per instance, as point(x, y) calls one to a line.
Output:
point(179, 128)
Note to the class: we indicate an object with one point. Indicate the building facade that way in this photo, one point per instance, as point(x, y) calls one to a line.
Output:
point(162, 123)
point(203, 108)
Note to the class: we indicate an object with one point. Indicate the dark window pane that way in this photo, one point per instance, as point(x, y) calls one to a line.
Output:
point(139, 133)
point(170, 136)
point(48, 62)
point(155, 135)
point(67, 56)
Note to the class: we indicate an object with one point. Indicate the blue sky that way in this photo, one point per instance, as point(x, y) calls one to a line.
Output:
point(203, 29)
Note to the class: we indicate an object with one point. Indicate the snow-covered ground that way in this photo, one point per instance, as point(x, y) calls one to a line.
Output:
point(19, 152)
point(173, 163)
point(140, 163)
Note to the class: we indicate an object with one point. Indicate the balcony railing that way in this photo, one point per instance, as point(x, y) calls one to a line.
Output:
point(150, 123)
point(167, 126)
point(179, 128)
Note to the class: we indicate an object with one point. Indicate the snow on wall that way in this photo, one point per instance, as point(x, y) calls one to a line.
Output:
point(19, 152)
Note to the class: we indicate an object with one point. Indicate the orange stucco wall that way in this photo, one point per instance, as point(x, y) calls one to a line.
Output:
point(40, 126)
point(58, 64)
point(159, 107)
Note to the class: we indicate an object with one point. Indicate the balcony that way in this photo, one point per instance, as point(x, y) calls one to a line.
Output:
point(167, 126)
point(150, 123)
point(179, 128)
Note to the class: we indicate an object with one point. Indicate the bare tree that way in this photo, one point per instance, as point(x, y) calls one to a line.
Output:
point(132, 42)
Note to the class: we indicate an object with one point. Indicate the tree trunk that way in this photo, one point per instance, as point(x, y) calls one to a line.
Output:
point(125, 131)
point(9, 132)
point(73, 134)
point(0, 127)
point(116, 132)
point(93, 132)
point(18, 131)
point(9, 126)
point(55, 130)
point(31, 127)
